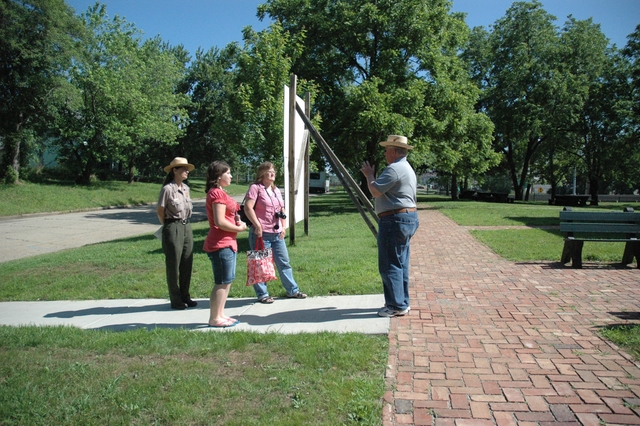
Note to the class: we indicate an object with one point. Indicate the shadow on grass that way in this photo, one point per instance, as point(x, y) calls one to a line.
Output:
point(628, 316)
point(331, 204)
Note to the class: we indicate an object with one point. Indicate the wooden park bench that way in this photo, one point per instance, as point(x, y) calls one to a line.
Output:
point(570, 200)
point(579, 227)
point(493, 197)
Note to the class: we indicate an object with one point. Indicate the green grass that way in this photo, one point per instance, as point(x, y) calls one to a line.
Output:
point(542, 242)
point(627, 336)
point(543, 245)
point(472, 213)
point(500, 214)
point(56, 375)
point(55, 196)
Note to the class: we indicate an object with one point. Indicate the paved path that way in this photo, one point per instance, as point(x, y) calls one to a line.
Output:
point(31, 235)
point(491, 342)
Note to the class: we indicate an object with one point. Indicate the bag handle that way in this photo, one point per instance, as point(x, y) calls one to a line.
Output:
point(259, 244)
point(240, 205)
point(244, 200)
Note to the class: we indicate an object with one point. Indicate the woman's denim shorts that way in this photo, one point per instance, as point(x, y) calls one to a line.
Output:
point(223, 263)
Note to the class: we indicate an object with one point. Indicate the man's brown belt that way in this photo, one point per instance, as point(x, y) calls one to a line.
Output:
point(390, 212)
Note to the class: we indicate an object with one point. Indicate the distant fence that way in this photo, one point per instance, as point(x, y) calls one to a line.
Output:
point(606, 198)
point(621, 198)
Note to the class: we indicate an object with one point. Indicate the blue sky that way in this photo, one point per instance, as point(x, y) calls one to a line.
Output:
point(208, 23)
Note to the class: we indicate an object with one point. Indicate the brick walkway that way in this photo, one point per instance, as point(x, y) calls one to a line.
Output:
point(491, 342)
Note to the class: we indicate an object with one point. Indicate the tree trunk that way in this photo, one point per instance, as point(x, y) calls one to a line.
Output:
point(12, 157)
point(364, 187)
point(85, 176)
point(517, 185)
point(519, 182)
point(454, 187)
point(131, 171)
point(527, 192)
point(593, 190)
point(11, 163)
point(552, 175)
point(15, 160)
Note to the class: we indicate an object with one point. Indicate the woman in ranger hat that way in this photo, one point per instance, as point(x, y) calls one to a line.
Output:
point(174, 212)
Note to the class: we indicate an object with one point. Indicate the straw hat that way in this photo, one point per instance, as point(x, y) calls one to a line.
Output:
point(396, 140)
point(179, 162)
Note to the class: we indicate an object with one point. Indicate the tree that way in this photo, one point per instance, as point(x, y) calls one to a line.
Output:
point(213, 131)
point(37, 40)
point(593, 137)
point(599, 138)
point(264, 67)
point(237, 99)
point(384, 67)
point(121, 101)
point(581, 50)
point(516, 65)
point(629, 170)
point(157, 115)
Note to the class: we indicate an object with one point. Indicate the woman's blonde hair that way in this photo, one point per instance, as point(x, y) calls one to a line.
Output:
point(262, 170)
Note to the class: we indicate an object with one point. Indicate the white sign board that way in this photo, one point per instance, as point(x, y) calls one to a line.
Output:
point(298, 158)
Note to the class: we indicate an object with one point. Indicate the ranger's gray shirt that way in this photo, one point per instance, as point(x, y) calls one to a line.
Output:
point(398, 185)
point(177, 203)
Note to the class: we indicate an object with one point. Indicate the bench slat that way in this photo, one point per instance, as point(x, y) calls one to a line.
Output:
point(600, 216)
point(600, 228)
point(600, 240)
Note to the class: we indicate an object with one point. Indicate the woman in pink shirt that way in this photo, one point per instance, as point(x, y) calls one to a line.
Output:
point(265, 209)
point(221, 245)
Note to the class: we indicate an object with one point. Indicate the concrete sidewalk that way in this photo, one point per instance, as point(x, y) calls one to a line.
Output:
point(338, 314)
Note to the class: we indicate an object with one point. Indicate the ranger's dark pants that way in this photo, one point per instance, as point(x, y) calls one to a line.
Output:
point(177, 244)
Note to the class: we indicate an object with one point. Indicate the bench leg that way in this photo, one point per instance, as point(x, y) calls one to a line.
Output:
point(572, 251)
point(631, 250)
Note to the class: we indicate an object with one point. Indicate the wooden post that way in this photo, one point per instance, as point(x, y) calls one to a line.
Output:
point(307, 111)
point(291, 197)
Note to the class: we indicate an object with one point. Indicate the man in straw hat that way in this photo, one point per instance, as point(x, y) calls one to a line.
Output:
point(395, 202)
